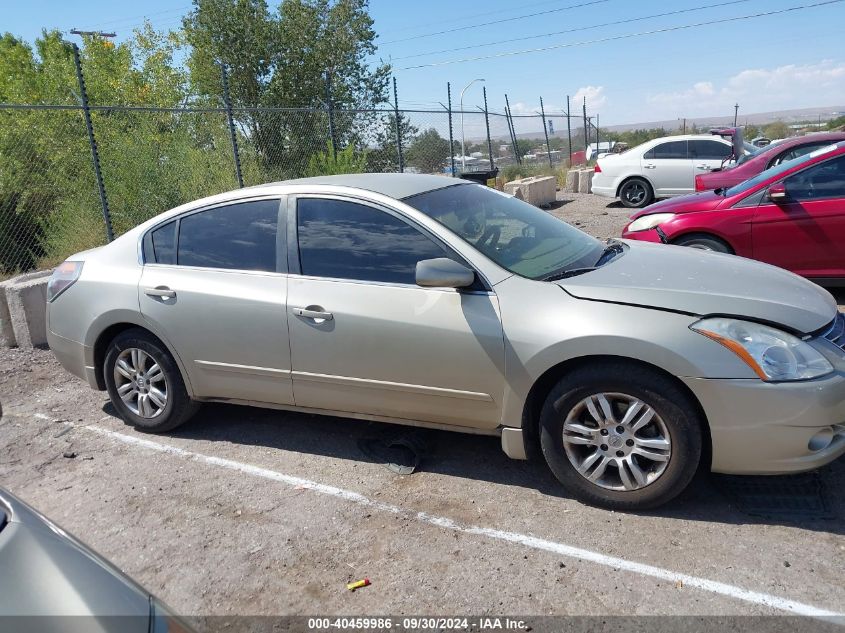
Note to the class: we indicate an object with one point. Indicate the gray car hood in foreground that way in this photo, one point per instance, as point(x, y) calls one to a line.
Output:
point(703, 283)
point(47, 575)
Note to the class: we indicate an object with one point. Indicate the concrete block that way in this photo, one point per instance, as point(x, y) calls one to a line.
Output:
point(572, 181)
point(26, 300)
point(585, 181)
point(537, 190)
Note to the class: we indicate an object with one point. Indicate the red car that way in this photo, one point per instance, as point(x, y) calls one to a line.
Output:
point(791, 215)
point(752, 164)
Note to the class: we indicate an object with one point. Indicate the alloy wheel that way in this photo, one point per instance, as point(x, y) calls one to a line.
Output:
point(140, 382)
point(616, 441)
point(634, 193)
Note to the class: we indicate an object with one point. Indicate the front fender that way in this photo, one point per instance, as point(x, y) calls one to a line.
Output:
point(545, 327)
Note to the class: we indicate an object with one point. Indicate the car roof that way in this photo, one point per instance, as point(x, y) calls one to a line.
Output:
point(396, 186)
point(832, 137)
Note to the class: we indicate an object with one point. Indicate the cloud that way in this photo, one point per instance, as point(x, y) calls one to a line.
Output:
point(757, 90)
point(596, 97)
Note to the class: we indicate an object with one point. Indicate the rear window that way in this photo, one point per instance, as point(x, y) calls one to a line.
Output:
point(672, 149)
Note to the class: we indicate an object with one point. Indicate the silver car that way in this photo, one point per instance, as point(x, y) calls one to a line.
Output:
point(53, 582)
point(435, 302)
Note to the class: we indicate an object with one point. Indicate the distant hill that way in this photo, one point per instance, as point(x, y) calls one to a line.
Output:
point(703, 123)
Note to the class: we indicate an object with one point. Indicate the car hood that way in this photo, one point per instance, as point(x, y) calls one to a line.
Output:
point(47, 572)
point(704, 201)
point(702, 283)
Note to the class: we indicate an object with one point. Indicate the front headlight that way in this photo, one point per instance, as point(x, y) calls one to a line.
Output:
point(774, 355)
point(649, 221)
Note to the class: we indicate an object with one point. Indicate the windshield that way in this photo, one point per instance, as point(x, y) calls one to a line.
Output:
point(776, 170)
point(517, 236)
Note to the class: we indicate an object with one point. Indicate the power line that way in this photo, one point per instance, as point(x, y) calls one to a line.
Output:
point(471, 16)
point(621, 37)
point(518, 17)
point(580, 28)
point(144, 16)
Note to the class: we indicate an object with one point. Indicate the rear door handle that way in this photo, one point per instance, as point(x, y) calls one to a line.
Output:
point(308, 313)
point(650, 166)
point(705, 167)
point(162, 292)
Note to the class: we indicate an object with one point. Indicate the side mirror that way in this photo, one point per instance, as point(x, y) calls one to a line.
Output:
point(777, 192)
point(443, 272)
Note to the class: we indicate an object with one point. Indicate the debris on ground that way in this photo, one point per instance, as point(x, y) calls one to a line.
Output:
point(352, 586)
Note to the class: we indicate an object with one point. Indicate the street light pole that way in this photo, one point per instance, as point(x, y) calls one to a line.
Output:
point(463, 150)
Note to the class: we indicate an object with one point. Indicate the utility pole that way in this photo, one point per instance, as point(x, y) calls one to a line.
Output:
point(736, 113)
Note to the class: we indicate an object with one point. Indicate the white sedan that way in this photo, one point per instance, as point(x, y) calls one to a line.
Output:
point(660, 168)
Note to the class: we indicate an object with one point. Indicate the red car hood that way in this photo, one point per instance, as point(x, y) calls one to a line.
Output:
point(704, 201)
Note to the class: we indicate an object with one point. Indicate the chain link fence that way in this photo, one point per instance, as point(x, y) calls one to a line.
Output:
point(153, 159)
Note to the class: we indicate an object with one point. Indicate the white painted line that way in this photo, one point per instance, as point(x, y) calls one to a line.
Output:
point(712, 586)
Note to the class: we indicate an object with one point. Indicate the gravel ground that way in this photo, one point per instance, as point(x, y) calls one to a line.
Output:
point(249, 511)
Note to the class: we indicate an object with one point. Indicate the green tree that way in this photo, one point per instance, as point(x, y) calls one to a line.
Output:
point(776, 130)
point(383, 155)
point(429, 152)
point(327, 163)
point(279, 59)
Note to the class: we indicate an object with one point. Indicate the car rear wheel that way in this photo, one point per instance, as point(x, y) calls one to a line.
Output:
point(144, 383)
point(636, 193)
point(620, 436)
point(704, 242)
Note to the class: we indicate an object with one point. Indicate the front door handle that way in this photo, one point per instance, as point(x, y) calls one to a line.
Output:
point(317, 315)
point(162, 292)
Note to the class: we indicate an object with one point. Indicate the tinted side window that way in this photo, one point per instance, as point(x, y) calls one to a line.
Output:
point(709, 150)
point(164, 244)
point(795, 152)
point(239, 236)
point(672, 149)
point(346, 240)
point(826, 180)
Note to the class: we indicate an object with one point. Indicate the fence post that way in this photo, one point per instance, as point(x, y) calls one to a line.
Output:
point(451, 136)
point(95, 154)
point(568, 132)
point(512, 129)
point(398, 128)
point(546, 131)
point(227, 101)
point(598, 138)
point(330, 111)
point(487, 125)
point(586, 130)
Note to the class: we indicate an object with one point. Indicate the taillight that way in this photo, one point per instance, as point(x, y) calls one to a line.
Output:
point(598, 168)
point(63, 278)
point(699, 183)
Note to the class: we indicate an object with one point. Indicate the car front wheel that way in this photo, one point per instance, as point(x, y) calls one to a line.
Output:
point(621, 436)
point(144, 383)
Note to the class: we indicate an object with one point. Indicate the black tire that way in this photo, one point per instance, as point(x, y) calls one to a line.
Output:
point(636, 193)
point(178, 407)
point(673, 409)
point(704, 242)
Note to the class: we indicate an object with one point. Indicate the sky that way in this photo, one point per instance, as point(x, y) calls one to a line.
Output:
point(616, 53)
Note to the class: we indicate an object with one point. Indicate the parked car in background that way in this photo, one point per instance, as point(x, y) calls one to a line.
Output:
point(50, 581)
point(660, 168)
point(436, 302)
point(752, 164)
point(792, 215)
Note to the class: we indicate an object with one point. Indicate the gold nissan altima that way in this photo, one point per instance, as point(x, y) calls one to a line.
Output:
point(436, 302)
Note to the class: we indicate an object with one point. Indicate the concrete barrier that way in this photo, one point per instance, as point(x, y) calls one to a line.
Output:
point(585, 181)
point(23, 310)
point(537, 190)
point(572, 181)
